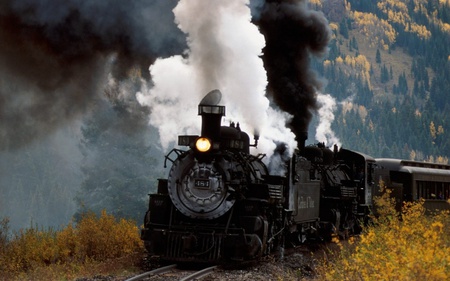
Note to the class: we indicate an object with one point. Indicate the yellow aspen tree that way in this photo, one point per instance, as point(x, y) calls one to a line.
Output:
point(417, 113)
point(412, 155)
point(374, 28)
point(334, 26)
point(421, 31)
point(318, 3)
point(432, 130)
point(346, 107)
point(371, 126)
point(348, 7)
point(445, 27)
point(442, 160)
point(362, 111)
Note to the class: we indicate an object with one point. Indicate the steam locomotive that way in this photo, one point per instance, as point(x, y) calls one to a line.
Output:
point(221, 204)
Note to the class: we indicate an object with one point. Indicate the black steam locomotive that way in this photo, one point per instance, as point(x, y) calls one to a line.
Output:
point(221, 204)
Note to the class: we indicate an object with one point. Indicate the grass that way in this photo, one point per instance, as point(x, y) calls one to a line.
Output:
point(125, 267)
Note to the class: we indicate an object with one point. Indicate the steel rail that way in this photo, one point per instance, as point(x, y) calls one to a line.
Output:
point(200, 273)
point(152, 272)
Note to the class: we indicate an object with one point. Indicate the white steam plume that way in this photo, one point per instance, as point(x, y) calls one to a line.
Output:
point(324, 133)
point(224, 53)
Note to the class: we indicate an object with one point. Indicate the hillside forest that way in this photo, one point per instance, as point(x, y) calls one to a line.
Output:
point(387, 68)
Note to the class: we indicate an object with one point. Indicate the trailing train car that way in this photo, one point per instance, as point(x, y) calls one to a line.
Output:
point(411, 180)
point(221, 204)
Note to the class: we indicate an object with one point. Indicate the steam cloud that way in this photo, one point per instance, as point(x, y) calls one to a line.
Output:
point(293, 33)
point(56, 56)
point(324, 133)
point(224, 53)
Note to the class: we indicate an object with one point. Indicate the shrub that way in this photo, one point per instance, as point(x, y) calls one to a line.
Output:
point(91, 239)
point(104, 237)
point(29, 248)
point(398, 246)
point(4, 229)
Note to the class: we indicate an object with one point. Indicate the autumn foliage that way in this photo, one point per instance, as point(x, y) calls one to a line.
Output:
point(93, 238)
point(398, 246)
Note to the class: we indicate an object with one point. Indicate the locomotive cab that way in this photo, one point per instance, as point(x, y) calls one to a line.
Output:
point(361, 169)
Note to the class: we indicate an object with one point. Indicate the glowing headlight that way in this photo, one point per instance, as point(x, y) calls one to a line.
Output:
point(203, 144)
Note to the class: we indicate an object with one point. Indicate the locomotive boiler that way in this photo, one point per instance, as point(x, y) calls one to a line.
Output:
point(220, 203)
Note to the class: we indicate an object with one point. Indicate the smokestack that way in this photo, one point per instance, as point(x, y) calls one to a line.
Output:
point(211, 120)
point(301, 140)
point(211, 114)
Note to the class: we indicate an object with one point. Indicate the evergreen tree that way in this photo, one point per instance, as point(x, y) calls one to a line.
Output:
point(426, 81)
point(378, 57)
point(354, 43)
point(343, 28)
point(402, 84)
point(384, 74)
point(333, 52)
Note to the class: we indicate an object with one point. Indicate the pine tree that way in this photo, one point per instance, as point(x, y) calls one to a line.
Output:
point(384, 74)
point(354, 43)
point(343, 28)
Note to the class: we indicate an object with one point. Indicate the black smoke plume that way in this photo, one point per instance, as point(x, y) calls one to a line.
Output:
point(293, 32)
point(56, 56)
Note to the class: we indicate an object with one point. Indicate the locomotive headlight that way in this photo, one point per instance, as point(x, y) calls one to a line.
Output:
point(203, 144)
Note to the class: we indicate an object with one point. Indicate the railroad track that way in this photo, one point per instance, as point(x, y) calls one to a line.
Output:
point(171, 268)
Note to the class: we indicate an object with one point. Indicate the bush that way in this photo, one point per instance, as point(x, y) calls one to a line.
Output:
point(29, 248)
point(104, 238)
point(4, 229)
point(398, 246)
point(91, 239)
